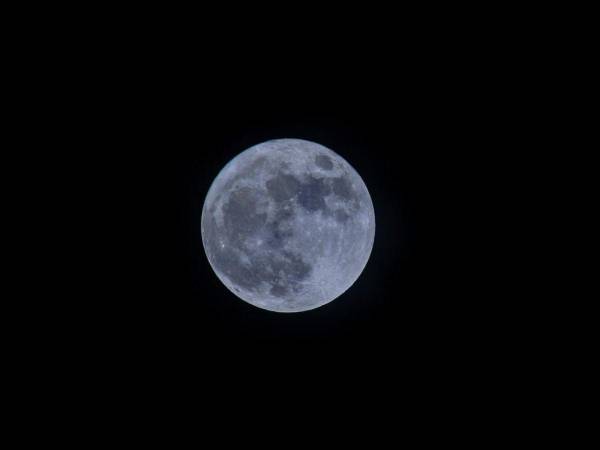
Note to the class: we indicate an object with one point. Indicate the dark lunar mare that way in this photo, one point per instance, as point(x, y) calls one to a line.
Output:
point(324, 162)
point(280, 269)
point(243, 218)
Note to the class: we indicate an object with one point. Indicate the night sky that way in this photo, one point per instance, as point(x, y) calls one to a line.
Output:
point(425, 111)
point(406, 137)
point(417, 134)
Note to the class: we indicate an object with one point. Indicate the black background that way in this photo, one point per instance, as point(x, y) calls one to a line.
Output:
point(421, 122)
point(148, 111)
point(413, 133)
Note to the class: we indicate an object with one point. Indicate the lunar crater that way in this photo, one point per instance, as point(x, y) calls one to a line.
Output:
point(324, 162)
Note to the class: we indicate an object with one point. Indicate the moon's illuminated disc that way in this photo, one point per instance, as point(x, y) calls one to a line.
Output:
point(288, 225)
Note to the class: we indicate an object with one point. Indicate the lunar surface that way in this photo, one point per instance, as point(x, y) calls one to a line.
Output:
point(288, 225)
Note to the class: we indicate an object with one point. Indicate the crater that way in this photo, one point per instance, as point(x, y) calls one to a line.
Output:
point(324, 162)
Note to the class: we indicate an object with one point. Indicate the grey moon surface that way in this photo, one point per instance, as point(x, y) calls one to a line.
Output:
point(288, 225)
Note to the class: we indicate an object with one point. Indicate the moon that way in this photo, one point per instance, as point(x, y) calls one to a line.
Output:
point(288, 225)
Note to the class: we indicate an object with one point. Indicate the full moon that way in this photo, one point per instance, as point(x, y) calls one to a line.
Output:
point(288, 225)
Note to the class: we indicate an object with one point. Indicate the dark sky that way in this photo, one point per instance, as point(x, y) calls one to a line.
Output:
point(415, 125)
point(408, 134)
point(426, 112)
